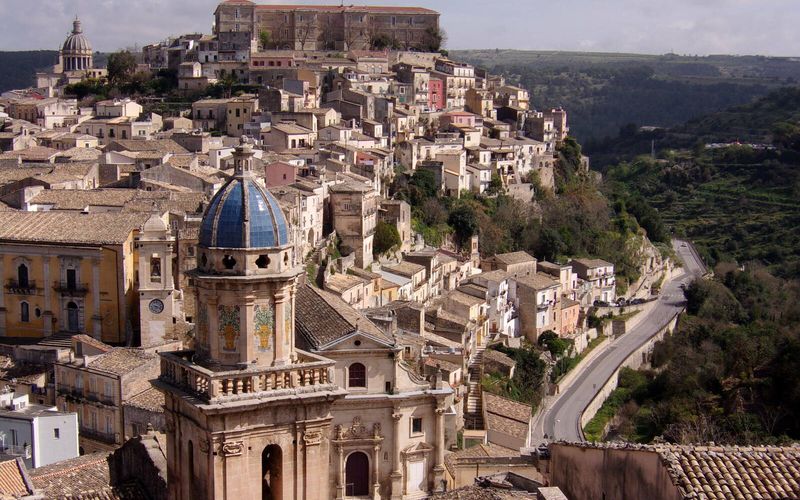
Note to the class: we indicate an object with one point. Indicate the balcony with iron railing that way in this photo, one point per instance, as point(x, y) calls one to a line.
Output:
point(15, 287)
point(71, 288)
point(309, 373)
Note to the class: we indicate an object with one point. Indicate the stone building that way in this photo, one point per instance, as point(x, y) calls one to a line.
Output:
point(327, 27)
point(287, 383)
point(245, 371)
point(75, 61)
point(354, 209)
point(69, 272)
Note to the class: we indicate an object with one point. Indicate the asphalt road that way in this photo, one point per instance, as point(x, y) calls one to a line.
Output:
point(561, 421)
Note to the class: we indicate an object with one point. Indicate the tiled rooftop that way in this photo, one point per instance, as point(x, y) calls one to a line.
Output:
point(733, 473)
point(151, 400)
point(83, 478)
point(514, 258)
point(488, 450)
point(69, 227)
point(121, 360)
point(12, 480)
point(507, 416)
point(323, 318)
point(537, 281)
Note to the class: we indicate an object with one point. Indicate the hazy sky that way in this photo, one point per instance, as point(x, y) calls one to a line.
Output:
point(683, 26)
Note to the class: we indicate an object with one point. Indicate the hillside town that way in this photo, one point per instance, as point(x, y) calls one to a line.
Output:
point(229, 297)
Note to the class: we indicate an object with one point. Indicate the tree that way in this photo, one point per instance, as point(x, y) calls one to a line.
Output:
point(425, 181)
point(265, 39)
point(464, 223)
point(495, 185)
point(121, 66)
point(387, 237)
point(435, 39)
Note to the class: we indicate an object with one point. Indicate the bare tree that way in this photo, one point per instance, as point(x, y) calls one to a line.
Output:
point(307, 30)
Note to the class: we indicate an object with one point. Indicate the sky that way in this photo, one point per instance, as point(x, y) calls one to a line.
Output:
point(693, 27)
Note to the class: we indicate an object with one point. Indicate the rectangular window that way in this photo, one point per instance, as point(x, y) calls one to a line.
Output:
point(56, 433)
point(14, 437)
point(416, 425)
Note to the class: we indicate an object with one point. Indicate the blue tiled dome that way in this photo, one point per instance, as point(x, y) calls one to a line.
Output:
point(243, 215)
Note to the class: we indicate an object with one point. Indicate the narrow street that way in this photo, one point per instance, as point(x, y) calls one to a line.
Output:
point(561, 420)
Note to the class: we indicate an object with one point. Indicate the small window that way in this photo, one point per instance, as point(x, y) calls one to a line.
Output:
point(56, 433)
point(24, 312)
point(416, 425)
point(357, 375)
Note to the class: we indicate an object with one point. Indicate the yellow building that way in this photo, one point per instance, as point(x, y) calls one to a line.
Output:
point(67, 272)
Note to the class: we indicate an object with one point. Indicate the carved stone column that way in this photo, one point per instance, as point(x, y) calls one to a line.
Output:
point(397, 471)
point(376, 478)
point(438, 468)
point(340, 473)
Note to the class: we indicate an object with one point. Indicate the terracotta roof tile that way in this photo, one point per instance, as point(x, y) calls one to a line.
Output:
point(151, 400)
point(323, 318)
point(12, 480)
point(82, 478)
point(69, 227)
point(121, 360)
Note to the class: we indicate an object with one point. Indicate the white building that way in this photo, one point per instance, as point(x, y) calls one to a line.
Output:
point(38, 434)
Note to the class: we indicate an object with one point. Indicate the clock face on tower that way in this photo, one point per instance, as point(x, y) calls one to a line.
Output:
point(156, 306)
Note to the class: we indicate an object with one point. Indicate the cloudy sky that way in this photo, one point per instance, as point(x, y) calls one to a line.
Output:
point(766, 27)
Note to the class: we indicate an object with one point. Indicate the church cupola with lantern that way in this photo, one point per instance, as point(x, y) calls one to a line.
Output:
point(244, 370)
point(246, 276)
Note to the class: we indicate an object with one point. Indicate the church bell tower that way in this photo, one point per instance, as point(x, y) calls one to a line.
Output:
point(248, 414)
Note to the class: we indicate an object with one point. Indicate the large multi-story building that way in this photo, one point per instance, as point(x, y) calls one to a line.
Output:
point(68, 272)
point(326, 27)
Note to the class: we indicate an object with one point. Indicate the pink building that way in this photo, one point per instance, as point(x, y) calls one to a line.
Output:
point(458, 118)
point(279, 174)
point(436, 94)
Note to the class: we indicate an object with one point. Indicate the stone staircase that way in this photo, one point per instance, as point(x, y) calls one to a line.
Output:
point(473, 414)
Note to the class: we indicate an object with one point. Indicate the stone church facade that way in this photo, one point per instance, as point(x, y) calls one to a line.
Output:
point(289, 393)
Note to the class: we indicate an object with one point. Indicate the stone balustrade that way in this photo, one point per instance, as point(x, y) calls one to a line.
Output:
point(178, 369)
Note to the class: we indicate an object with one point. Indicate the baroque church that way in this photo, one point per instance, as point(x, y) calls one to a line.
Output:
point(75, 61)
point(289, 393)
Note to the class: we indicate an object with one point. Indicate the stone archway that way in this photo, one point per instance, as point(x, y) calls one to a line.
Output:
point(272, 473)
point(356, 473)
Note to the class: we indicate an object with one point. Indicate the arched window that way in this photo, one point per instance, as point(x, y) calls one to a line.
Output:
point(22, 276)
point(357, 375)
point(356, 474)
point(24, 312)
point(271, 473)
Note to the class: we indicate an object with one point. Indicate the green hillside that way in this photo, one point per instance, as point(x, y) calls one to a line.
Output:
point(19, 68)
point(604, 92)
point(737, 203)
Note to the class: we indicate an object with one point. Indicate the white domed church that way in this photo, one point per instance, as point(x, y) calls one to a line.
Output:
point(75, 61)
point(289, 392)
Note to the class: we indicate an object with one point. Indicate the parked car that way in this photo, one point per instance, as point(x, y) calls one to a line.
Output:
point(636, 302)
point(600, 303)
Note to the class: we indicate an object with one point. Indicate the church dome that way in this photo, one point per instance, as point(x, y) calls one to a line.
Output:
point(243, 215)
point(77, 42)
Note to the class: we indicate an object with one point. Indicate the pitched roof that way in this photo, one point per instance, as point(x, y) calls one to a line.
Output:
point(718, 473)
point(322, 318)
point(83, 478)
point(121, 360)
point(138, 145)
point(150, 399)
point(496, 356)
point(69, 227)
point(488, 450)
point(405, 268)
point(13, 480)
point(514, 258)
point(537, 281)
point(506, 415)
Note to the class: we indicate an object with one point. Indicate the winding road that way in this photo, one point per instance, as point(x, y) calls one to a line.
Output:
point(561, 420)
